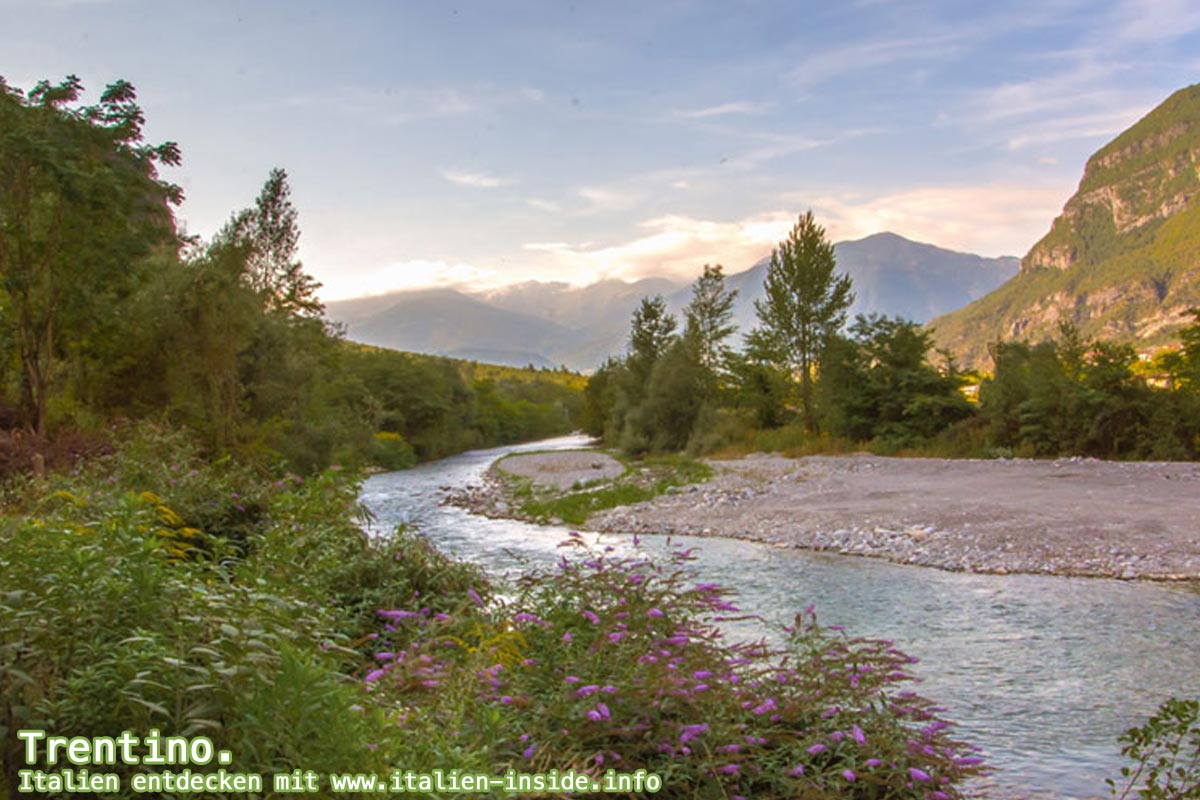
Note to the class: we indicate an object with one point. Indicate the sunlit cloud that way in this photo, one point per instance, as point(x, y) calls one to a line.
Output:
point(990, 219)
point(411, 274)
point(674, 246)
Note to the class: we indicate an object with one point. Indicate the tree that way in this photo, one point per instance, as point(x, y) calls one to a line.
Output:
point(272, 236)
point(879, 384)
point(81, 204)
point(804, 303)
point(708, 318)
point(651, 332)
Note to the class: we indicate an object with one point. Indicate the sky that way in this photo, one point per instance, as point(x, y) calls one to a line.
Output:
point(481, 144)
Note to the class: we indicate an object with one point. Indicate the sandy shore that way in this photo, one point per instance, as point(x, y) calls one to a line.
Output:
point(1066, 517)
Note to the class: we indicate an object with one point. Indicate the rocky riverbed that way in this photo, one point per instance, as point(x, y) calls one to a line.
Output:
point(1067, 517)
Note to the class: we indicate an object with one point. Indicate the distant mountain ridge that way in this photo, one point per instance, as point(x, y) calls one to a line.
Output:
point(1122, 261)
point(552, 323)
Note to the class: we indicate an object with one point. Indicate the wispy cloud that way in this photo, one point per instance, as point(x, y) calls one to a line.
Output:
point(724, 109)
point(477, 180)
point(396, 105)
point(548, 206)
point(870, 54)
point(1151, 21)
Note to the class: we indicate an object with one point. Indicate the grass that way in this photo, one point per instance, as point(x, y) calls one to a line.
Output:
point(642, 480)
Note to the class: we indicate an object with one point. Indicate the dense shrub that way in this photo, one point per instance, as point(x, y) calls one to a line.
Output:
point(619, 663)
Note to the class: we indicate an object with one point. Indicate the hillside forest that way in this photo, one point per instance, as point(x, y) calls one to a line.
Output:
point(110, 313)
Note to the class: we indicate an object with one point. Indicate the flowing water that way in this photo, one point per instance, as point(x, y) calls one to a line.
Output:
point(1043, 673)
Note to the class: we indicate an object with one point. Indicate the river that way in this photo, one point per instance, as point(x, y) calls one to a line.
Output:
point(1042, 673)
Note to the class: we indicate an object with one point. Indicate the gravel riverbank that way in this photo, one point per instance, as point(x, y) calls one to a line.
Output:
point(1067, 517)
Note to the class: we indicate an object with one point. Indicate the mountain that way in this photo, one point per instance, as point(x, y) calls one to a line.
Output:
point(450, 323)
point(551, 323)
point(1122, 261)
point(892, 275)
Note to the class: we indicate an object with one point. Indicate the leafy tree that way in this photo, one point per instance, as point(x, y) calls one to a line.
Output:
point(804, 303)
point(271, 234)
point(708, 319)
point(759, 383)
point(666, 417)
point(81, 204)
point(880, 384)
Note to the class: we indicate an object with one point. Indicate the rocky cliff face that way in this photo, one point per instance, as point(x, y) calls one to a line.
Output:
point(1122, 260)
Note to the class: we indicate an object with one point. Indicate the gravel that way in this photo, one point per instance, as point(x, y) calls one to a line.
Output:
point(1129, 520)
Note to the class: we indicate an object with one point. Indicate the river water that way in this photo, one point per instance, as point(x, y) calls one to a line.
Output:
point(1043, 673)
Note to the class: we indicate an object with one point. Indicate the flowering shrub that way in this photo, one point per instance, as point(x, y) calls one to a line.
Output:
point(619, 663)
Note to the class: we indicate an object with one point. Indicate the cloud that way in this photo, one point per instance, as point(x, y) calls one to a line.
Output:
point(1139, 22)
point(834, 62)
point(478, 180)
point(673, 245)
point(736, 107)
point(411, 274)
point(989, 219)
point(397, 105)
point(606, 199)
point(543, 205)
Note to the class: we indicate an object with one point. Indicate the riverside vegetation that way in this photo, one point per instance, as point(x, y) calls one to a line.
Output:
point(192, 562)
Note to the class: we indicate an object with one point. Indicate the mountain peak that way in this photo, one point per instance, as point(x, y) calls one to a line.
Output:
point(1138, 180)
point(1122, 261)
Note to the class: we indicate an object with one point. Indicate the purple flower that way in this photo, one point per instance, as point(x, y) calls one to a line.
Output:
point(591, 617)
point(506, 700)
point(567, 636)
point(529, 751)
point(474, 595)
point(654, 612)
point(858, 734)
point(571, 679)
point(873, 762)
point(797, 770)
point(849, 776)
point(692, 731)
point(769, 705)
point(730, 769)
point(816, 748)
point(919, 774)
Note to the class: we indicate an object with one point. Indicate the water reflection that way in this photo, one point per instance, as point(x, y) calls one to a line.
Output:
point(1043, 673)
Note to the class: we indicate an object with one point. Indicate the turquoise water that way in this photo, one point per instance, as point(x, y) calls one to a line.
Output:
point(1043, 673)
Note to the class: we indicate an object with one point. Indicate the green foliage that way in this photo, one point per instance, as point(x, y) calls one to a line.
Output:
point(803, 305)
point(271, 234)
point(879, 384)
point(1084, 397)
point(81, 206)
point(212, 602)
point(709, 321)
point(1166, 755)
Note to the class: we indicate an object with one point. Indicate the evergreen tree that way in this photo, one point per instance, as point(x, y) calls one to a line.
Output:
point(804, 303)
point(708, 319)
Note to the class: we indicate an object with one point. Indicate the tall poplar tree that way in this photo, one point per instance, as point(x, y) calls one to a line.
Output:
point(804, 303)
